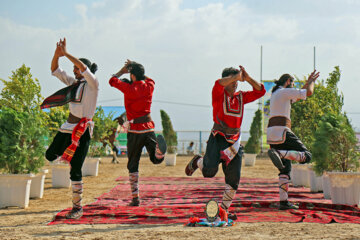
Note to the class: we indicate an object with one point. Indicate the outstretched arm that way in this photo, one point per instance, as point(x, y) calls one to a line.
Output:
point(245, 76)
point(310, 83)
point(58, 54)
point(74, 60)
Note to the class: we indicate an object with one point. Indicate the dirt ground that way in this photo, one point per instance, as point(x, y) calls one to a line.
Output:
point(31, 223)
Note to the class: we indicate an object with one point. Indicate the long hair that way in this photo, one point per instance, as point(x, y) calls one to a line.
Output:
point(281, 81)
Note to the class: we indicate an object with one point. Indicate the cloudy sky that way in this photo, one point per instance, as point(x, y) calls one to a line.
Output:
point(185, 44)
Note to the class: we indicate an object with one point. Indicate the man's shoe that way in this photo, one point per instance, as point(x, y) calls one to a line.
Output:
point(135, 202)
point(161, 143)
point(192, 165)
point(275, 158)
point(285, 205)
point(75, 213)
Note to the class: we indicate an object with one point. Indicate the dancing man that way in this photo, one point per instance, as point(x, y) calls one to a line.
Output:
point(285, 146)
point(223, 145)
point(73, 138)
point(138, 98)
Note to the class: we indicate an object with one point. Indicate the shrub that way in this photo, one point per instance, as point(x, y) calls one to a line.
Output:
point(335, 148)
point(22, 124)
point(103, 129)
point(253, 145)
point(169, 133)
point(306, 115)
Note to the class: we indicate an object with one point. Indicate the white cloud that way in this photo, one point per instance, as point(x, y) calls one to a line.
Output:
point(82, 10)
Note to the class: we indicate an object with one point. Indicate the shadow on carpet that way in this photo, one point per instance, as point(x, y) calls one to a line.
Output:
point(169, 200)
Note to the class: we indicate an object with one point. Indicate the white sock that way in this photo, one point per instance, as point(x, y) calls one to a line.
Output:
point(283, 187)
point(134, 184)
point(228, 197)
point(293, 155)
point(200, 163)
point(77, 190)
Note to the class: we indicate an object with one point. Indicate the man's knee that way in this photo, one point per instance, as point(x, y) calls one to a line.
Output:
point(50, 156)
point(155, 160)
point(308, 157)
point(209, 172)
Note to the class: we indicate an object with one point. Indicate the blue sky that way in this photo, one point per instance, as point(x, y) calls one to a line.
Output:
point(184, 45)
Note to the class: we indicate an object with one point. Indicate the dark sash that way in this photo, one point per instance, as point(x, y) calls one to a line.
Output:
point(61, 97)
point(279, 121)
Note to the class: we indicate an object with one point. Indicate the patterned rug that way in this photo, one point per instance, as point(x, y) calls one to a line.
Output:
point(169, 200)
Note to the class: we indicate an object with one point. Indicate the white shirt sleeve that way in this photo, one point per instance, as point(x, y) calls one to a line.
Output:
point(61, 74)
point(90, 79)
point(294, 93)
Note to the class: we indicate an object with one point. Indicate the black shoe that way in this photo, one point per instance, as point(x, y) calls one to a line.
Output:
point(135, 202)
point(161, 143)
point(285, 205)
point(192, 165)
point(275, 158)
point(232, 216)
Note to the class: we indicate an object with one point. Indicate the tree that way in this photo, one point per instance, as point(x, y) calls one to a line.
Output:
point(56, 117)
point(334, 148)
point(22, 117)
point(104, 126)
point(306, 115)
point(253, 144)
point(168, 131)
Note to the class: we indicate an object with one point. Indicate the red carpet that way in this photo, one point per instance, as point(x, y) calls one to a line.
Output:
point(167, 200)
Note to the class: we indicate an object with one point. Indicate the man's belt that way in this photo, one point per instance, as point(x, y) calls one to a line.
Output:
point(226, 130)
point(143, 119)
point(279, 121)
point(73, 119)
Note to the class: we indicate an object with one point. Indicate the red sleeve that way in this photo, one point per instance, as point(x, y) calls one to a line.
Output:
point(251, 96)
point(218, 90)
point(117, 83)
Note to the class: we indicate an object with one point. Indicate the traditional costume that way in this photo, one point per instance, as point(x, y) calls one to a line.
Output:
point(138, 99)
point(285, 145)
point(73, 139)
point(223, 145)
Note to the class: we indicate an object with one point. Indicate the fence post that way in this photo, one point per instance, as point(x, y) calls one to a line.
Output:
point(200, 146)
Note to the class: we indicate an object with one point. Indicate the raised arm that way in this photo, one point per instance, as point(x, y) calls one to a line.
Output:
point(230, 79)
point(245, 76)
point(55, 61)
point(310, 83)
point(62, 45)
point(123, 70)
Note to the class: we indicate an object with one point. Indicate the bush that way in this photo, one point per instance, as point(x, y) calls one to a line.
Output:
point(253, 145)
point(335, 148)
point(306, 115)
point(22, 124)
point(169, 133)
point(104, 127)
point(56, 117)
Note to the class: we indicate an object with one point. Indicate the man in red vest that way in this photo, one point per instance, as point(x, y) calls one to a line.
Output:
point(223, 145)
point(138, 93)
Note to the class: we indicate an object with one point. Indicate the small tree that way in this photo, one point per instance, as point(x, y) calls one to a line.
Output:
point(335, 148)
point(20, 108)
point(104, 126)
point(56, 117)
point(169, 133)
point(253, 145)
point(306, 115)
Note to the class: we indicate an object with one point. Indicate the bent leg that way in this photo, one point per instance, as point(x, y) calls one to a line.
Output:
point(57, 147)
